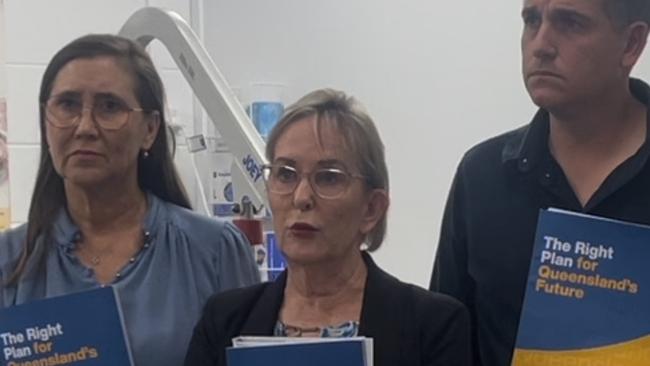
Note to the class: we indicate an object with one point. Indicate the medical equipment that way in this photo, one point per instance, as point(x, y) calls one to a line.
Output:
point(212, 90)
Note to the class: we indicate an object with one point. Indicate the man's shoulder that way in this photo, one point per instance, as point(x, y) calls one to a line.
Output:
point(497, 148)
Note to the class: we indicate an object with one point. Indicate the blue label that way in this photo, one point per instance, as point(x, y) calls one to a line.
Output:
point(276, 260)
point(223, 209)
point(253, 169)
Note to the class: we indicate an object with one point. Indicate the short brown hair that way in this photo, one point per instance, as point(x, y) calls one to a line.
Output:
point(626, 12)
point(361, 136)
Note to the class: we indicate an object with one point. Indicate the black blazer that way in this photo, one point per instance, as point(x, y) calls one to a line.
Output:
point(410, 326)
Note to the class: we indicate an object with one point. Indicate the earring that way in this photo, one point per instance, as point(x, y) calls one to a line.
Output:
point(145, 154)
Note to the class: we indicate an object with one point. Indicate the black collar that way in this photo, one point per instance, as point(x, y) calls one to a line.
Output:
point(387, 314)
point(528, 145)
point(527, 149)
point(380, 298)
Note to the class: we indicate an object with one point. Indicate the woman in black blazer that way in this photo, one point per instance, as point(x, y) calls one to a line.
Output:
point(328, 191)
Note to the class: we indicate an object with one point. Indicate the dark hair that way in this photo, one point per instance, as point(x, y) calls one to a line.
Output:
point(626, 12)
point(361, 136)
point(156, 173)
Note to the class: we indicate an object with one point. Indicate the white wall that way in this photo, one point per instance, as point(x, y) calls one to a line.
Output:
point(35, 30)
point(438, 76)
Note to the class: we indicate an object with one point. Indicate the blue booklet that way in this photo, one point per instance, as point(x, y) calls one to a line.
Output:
point(265, 351)
point(84, 328)
point(588, 293)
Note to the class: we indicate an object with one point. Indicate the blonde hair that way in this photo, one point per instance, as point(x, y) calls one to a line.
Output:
point(361, 136)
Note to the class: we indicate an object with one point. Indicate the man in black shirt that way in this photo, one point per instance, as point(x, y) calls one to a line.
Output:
point(585, 150)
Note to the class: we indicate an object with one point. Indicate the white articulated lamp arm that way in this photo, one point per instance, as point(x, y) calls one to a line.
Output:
point(212, 91)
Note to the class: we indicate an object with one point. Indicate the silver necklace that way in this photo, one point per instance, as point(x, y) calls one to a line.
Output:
point(96, 259)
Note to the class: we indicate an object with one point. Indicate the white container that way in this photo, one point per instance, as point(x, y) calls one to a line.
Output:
point(220, 196)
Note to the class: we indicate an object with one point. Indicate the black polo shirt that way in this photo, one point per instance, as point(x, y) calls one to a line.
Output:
point(490, 219)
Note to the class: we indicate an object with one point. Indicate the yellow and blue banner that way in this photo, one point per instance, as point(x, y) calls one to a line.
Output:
point(84, 328)
point(587, 298)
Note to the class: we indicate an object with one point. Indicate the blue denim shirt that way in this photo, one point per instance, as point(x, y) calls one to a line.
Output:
point(162, 292)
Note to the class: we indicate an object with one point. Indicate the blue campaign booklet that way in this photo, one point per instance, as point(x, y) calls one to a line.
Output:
point(265, 351)
point(588, 293)
point(84, 328)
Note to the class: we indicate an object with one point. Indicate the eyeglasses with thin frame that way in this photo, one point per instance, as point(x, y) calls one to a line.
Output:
point(110, 112)
point(327, 183)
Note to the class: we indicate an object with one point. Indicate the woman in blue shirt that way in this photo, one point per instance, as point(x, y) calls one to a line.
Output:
point(108, 207)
